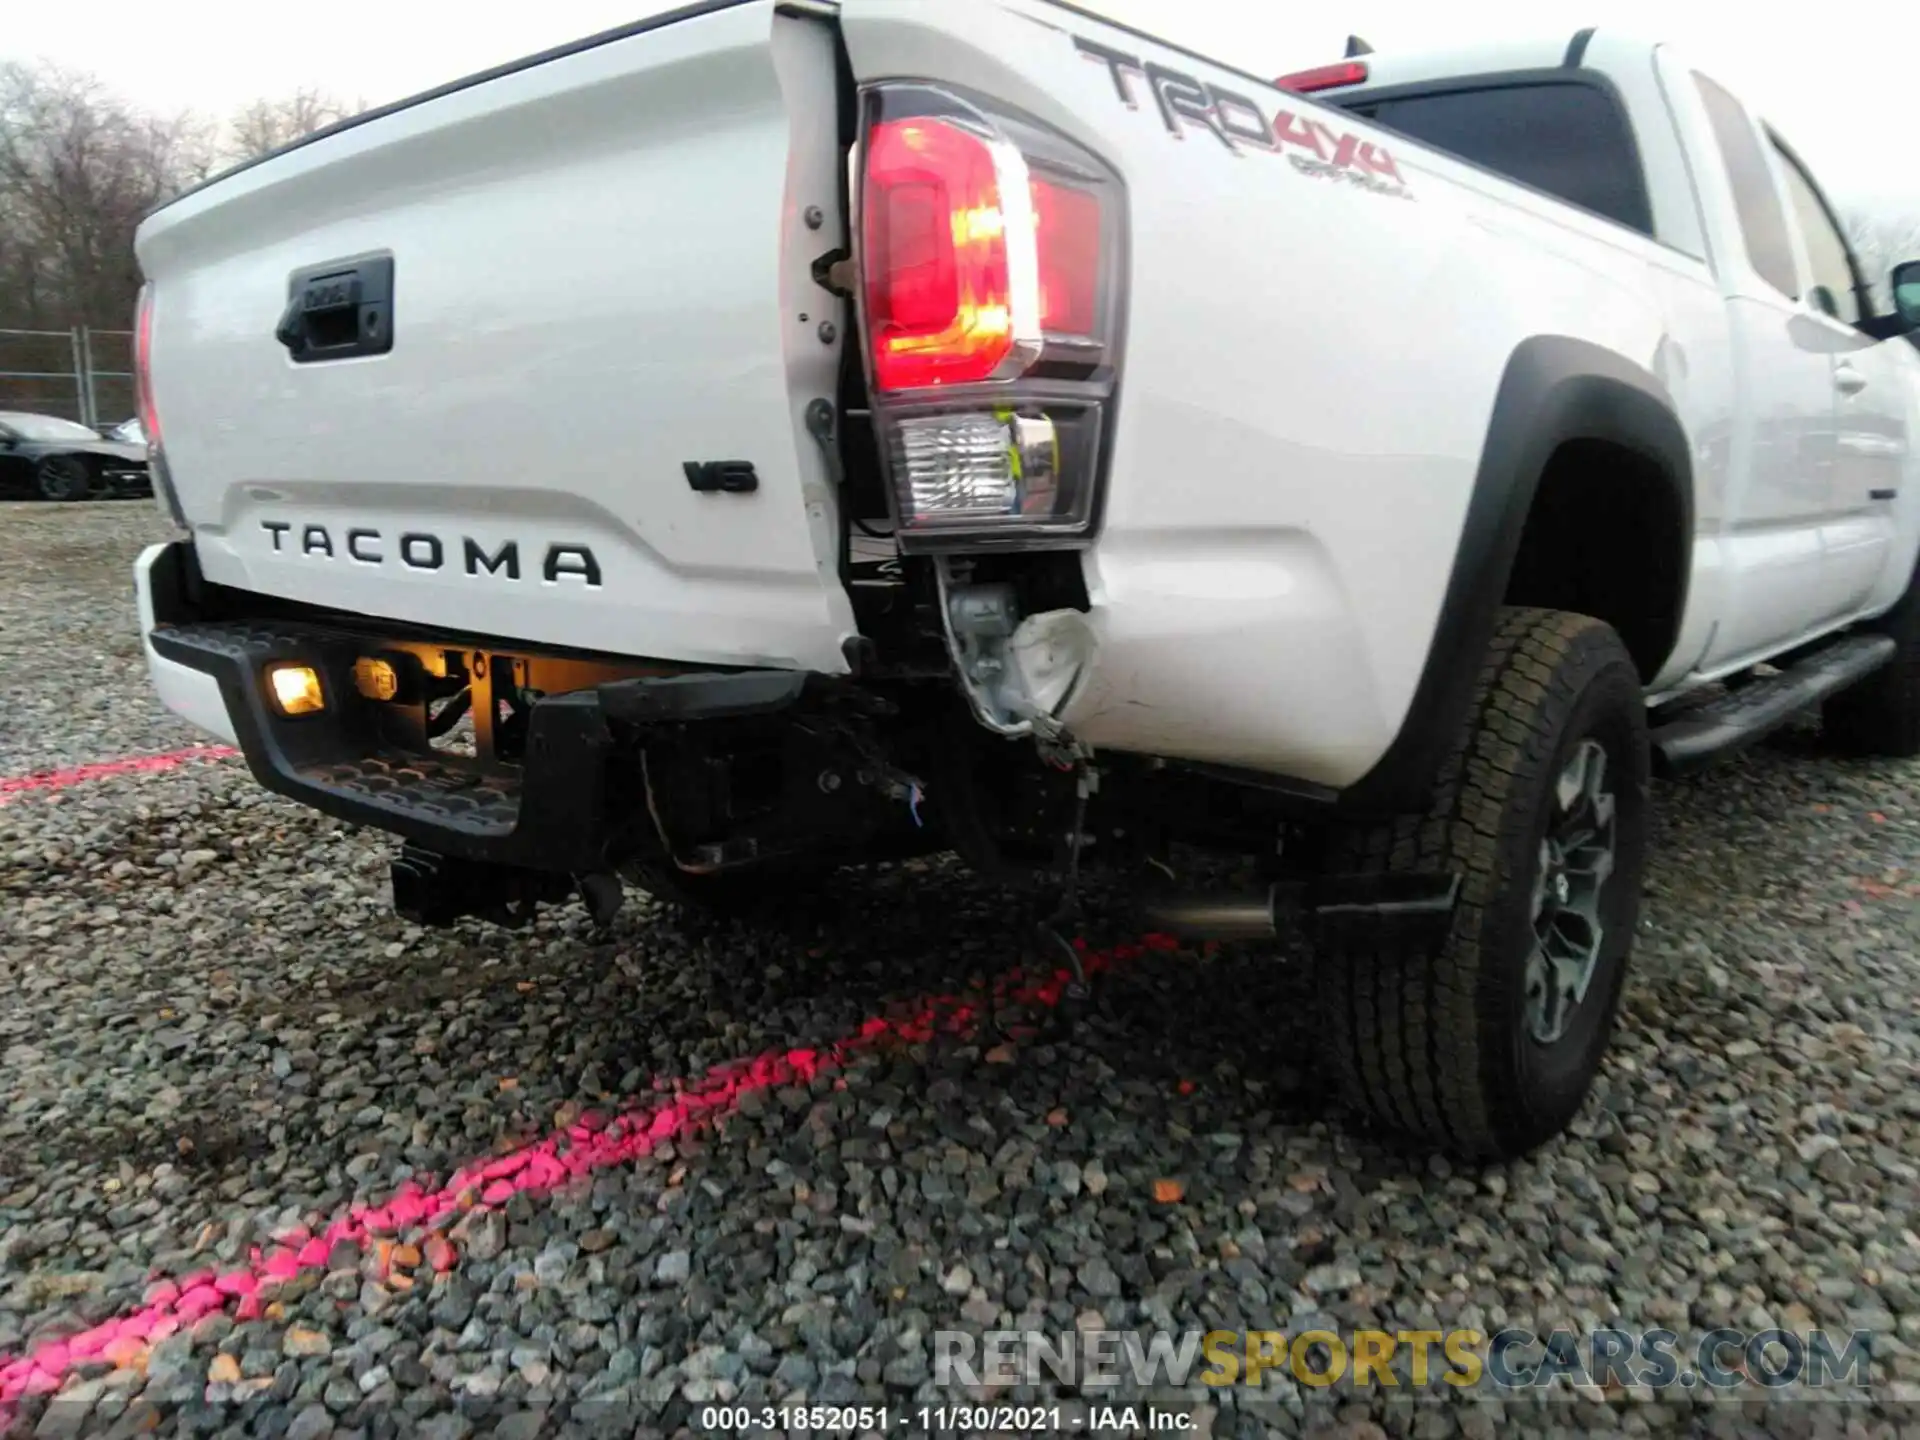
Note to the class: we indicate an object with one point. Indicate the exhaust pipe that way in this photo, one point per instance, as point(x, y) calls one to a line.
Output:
point(1204, 917)
point(1382, 903)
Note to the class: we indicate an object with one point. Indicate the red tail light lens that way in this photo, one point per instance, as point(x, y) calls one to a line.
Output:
point(964, 282)
point(1324, 77)
point(163, 492)
point(1067, 231)
point(940, 292)
point(142, 367)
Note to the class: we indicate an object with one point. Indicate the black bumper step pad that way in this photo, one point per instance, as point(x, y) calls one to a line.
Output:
point(550, 813)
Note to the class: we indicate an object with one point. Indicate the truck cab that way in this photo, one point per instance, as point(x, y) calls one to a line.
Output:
point(1802, 521)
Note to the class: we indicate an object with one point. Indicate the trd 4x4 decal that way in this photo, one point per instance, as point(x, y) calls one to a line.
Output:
point(1311, 147)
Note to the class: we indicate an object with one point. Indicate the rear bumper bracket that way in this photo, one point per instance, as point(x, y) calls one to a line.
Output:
point(569, 803)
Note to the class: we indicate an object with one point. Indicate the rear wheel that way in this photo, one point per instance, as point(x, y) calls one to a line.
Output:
point(64, 477)
point(1487, 1045)
point(1880, 715)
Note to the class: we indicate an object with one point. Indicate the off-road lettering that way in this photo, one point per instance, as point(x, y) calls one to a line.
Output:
point(1118, 64)
point(1186, 102)
point(1184, 99)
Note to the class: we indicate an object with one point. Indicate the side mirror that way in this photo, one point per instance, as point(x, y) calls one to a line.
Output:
point(1906, 292)
point(1905, 319)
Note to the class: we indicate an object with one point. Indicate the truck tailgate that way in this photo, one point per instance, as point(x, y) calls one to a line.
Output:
point(600, 277)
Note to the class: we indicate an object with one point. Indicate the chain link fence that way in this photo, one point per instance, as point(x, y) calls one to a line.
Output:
point(79, 374)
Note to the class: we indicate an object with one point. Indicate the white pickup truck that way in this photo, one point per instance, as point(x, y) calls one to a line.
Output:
point(773, 436)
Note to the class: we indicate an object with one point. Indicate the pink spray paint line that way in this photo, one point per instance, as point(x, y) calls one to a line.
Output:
point(595, 1142)
point(105, 769)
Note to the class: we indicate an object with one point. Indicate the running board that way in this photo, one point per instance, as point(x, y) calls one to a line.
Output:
point(1692, 741)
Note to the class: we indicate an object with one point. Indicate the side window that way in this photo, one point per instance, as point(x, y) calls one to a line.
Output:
point(1762, 220)
point(1826, 247)
point(1569, 139)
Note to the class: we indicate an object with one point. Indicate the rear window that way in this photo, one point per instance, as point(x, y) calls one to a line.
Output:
point(1568, 138)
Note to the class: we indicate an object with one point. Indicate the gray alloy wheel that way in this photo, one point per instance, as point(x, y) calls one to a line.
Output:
point(1576, 861)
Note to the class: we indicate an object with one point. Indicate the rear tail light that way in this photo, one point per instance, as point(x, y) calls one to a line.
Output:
point(977, 465)
point(1324, 77)
point(990, 263)
point(163, 495)
point(941, 281)
point(142, 362)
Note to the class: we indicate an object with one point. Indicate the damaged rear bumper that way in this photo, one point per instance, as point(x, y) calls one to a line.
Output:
point(573, 799)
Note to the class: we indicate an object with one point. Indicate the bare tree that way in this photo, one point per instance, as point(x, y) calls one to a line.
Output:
point(266, 125)
point(80, 167)
point(78, 170)
point(1882, 240)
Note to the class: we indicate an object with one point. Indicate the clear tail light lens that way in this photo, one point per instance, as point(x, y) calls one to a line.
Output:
point(957, 468)
point(990, 262)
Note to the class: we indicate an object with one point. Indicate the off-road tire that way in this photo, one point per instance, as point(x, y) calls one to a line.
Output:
point(1435, 1042)
point(1880, 715)
point(63, 477)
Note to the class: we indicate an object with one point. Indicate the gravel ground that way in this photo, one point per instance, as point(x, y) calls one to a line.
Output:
point(75, 686)
point(215, 1035)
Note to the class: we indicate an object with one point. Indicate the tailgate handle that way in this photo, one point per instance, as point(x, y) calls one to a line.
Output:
point(338, 310)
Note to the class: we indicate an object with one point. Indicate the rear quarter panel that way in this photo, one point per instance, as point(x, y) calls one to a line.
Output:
point(1311, 357)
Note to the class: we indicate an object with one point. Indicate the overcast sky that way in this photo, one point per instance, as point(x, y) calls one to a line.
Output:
point(1841, 81)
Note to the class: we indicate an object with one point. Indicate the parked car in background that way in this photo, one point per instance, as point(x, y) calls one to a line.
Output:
point(55, 459)
point(128, 430)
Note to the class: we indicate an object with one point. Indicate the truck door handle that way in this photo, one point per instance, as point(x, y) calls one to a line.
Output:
point(339, 309)
point(1849, 380)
